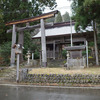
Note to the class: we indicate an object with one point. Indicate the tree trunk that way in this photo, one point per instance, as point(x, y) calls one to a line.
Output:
point(95, 44)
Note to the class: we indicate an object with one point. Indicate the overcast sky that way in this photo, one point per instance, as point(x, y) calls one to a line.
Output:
point(63, 6)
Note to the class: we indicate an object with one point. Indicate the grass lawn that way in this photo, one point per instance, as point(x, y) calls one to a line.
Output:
point(95, 70)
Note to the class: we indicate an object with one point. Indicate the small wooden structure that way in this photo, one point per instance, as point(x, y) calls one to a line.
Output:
point(75, 59)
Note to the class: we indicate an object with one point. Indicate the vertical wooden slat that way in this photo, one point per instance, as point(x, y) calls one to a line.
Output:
point(71, 32)
point(87, 53)
point(17, 69)
point(53, 49)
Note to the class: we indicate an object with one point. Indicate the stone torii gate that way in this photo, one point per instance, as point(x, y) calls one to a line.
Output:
point(21, 34)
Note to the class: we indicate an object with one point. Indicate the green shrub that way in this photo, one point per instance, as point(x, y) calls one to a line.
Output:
point(64, 52)
point(36, 54)
point(5, 51)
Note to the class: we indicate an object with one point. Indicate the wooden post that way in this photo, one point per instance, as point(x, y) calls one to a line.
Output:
point(95, 44)
point(71, 32)
point(17, 76)
point(96, 49)
point(40, 59)
point(21, 41)
point(32, 56)
point(53, 49)
point(43, 42)
point(12, 49)
point(87, 53)
point(28, 61)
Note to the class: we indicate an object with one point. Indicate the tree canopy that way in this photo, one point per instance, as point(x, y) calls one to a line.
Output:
point(85, 11)
point(11, 10)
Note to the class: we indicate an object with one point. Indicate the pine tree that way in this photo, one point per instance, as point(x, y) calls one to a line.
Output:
point(58, 18)
point(85, 11)
point(66, 17)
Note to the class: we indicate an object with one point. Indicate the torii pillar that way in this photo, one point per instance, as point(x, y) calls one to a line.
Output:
point(12, 49)
point(43, 43)
point(21, 41)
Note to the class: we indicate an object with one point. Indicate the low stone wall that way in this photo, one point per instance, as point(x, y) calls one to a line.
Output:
point(60, 78)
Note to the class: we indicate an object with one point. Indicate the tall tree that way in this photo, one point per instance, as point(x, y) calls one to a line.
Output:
point(58, 18)
point(85, 12)
point(66, 17)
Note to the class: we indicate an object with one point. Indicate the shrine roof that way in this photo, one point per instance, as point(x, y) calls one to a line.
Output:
point(61, 29)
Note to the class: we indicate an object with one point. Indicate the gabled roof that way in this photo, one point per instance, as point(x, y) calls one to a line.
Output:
point(56, 31)
point(59, 29)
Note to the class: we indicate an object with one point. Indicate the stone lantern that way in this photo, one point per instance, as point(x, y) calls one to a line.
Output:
point(28, 57)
